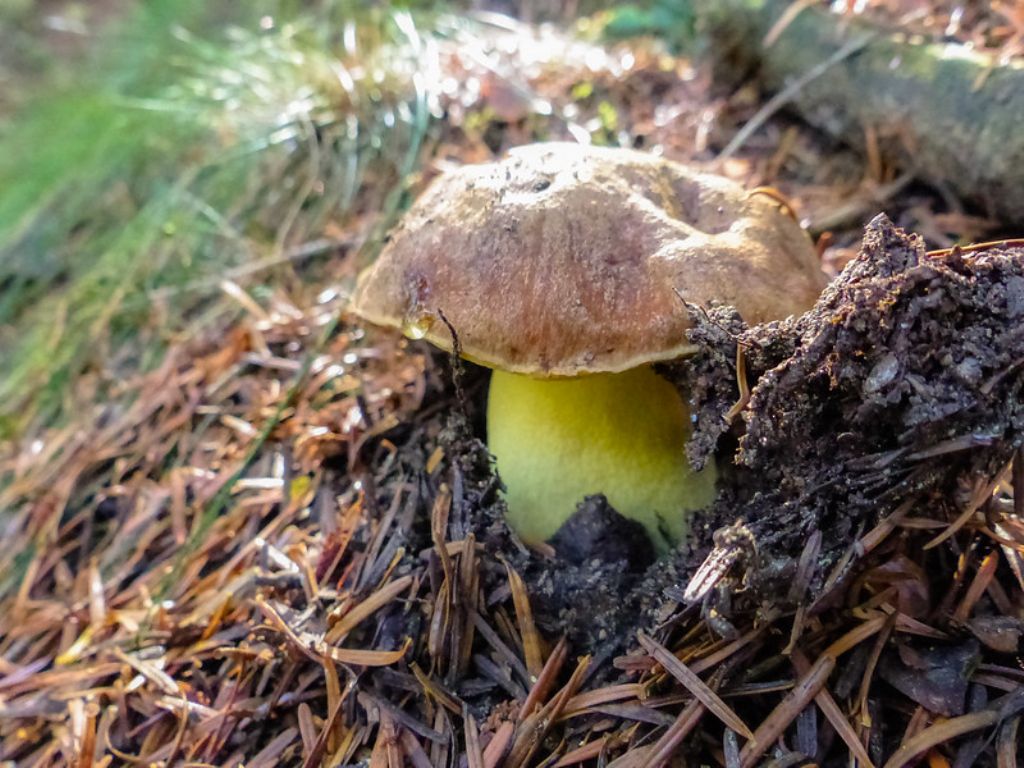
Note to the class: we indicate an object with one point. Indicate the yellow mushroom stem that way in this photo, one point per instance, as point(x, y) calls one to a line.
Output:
point(620, 434)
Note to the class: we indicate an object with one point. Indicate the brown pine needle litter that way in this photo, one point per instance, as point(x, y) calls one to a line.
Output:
point(319, 628)
point(285, 548)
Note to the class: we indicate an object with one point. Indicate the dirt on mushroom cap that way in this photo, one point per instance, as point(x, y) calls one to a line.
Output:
point(563, 259)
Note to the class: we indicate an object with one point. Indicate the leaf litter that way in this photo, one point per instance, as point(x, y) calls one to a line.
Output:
point(357, 597)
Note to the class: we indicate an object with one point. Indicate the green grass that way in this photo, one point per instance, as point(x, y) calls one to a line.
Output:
point(196, 139)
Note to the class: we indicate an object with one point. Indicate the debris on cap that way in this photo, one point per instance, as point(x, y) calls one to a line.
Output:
point(562, 259)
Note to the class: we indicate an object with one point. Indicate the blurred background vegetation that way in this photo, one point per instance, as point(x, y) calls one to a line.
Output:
point(194, 138)
point(149, 150)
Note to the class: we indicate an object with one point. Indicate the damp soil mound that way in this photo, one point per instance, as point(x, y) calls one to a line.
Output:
point(903, 382)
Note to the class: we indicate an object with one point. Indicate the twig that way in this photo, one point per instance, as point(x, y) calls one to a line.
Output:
point(783, 97)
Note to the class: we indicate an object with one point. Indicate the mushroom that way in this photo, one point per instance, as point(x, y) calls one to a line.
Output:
point(564, 268)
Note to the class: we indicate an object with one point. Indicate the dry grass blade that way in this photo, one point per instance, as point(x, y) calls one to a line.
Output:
point(316, 648)
point(467, 600)
point(873, 538)
point(711, 571)
point(673, 737)
point(1013, 554)
point(1017, 481)
point(499, 745)
point(154, 674)
point(533, 645)
point(1007, 744)
point(856, 636)
point(437, 692)
point(372, 703)
point(367, 608)
point(335, 697)
point(659, 753)
point(270, 755)
point(712, 660)
point(979, 584)
point(534, 728)
point(612, 693)
point(414, 750)
point(742, 385)
point(982, 493)
point(474, 755)
point(835, 716)
point(786, 712)
point(307, 729)
point(439, 529)
point(545, 681)
point(869, 669)
point(504, 652)
point(694, 685)
point(589, 751)
point(955, 727)
point(806, 689)
point(379, 757)
point(83, 719)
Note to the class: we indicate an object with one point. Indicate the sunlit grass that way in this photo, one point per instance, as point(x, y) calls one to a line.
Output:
point(196, 141)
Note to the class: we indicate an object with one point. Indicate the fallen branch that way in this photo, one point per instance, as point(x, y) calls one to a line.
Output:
point(951, 114)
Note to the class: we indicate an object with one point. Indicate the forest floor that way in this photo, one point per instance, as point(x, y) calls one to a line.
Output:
point(281, 542)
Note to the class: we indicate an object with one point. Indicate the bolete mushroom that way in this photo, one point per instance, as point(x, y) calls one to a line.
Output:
point(564, 269)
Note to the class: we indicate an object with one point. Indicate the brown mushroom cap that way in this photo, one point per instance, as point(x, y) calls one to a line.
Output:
point(563, 259)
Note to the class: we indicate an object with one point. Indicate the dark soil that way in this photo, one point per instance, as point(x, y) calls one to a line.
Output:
point(903, 381)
